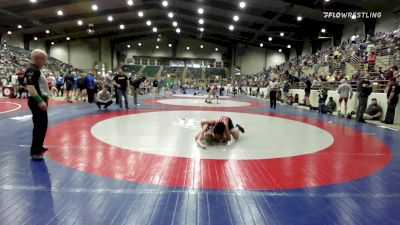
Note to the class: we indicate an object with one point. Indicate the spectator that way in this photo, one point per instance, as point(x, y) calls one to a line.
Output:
point(122, 83)
point(381, 74)
point(59, 85)
point(307, 91)
point(68, 83)
point(90, 87)
point(331, 105)
point(156, 90)
point(374, 111)
point(322, 96)
point(135, 88)
point(104, 98)
point(391, 72)
point(364, 89)
point(82, 87)
point(296, 99)
point(75, 85)
point(393, 91)
point(285, 89)
point(345, 93)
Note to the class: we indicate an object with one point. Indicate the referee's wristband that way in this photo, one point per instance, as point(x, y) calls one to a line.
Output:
point(38, 99)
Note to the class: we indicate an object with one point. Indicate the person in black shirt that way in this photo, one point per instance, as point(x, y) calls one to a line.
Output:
point(135, 87)
point(38, 101)
point(156, 90)
point(121, 82)
point(322, 96)
point(330, 106)
point(307, 91)
point(374, 111)
point(364, 89)
point(68, 82)
point(82, 87)
point(393, 91)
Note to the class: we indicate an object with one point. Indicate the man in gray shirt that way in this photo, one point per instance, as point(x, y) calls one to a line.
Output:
point(345, 93)
point(104, 98)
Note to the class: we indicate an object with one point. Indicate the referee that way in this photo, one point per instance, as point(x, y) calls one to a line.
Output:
point(38, 101)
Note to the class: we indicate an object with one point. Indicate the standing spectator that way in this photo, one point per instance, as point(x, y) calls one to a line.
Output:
point(22, 85)
point(322, 96)
point(371, 61)
point(82, 87)
point(90, 87)
point(156, 90)
point(285, 90)
point(59, 85)
point(135, 87)
point(38, 102)
point(104, 98)
point(364, 89)
point(316, 65)
point(393, 91)
point(75, 85)
point(381, 74)
point(162, 86)
point(122, 83)
point(273, 88)
point(345, 93)
point(307, 91)
point(68, 83)
point(14, 80)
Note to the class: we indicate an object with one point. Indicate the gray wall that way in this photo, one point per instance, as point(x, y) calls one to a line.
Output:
point(387, 23)
point(148, 49)
point(256, 59)
point(353, 27)
point(82, 53)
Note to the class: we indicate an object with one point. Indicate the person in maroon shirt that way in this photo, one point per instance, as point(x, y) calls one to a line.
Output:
point(391, 72)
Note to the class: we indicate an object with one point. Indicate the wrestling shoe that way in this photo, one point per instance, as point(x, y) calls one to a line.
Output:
point(240, 128)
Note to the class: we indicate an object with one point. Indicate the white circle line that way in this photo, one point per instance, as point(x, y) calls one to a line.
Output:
point(176, 135)
point(19, 106)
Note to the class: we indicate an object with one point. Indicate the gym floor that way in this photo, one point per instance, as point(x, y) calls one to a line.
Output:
point(142, 166)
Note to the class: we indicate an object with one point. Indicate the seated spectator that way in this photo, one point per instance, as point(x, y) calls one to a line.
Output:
point(289, 99)
point(330, 106)
point(104, 98)
point(296, 99)
point(374, 111)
